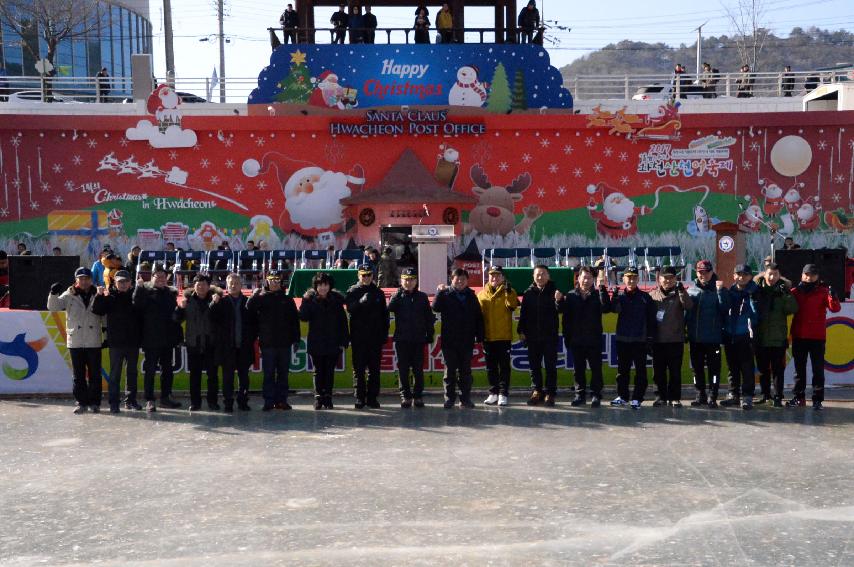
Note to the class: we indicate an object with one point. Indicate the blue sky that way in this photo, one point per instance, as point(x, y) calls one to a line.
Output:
point(593, 24)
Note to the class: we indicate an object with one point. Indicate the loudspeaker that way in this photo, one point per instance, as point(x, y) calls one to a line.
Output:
point(30, 278)
point(830, 263)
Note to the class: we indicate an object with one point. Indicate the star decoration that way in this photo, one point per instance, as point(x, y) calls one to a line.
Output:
point(567, 149)
point(503, 166)
point(204, 163)
point(553, 168)
point(526, 158)
point(214, 180)
point(238, 188)
point(57, 200)
point(77, 160)
point(92, 143)
point(607, 151)
point(261, 185)
point(624, 181)
point(597, 167)
point(57, 168)
point(623, 156)
point(229, 163)
point(298, 57)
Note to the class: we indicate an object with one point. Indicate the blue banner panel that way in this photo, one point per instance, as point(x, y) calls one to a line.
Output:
point(499, 78)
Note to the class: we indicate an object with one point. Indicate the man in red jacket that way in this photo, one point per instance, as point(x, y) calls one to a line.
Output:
point(809, 335)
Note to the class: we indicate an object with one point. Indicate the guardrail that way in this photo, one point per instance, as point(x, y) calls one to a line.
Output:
point(64, 89)
point(370, 35)
point(586, 87)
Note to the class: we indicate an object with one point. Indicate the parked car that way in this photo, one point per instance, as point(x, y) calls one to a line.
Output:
point(658, 91)
point(35, 97)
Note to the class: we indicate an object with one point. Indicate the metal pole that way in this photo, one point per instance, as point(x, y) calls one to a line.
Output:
point(219, 8)
point(700, 46)
point(167, 32)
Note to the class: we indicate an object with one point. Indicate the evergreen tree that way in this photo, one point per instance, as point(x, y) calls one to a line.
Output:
point(499, 91)
point(296, 87)
point(520, 97)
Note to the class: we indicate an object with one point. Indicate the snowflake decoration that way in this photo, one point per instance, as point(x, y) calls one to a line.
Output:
point(567, 149)
point(608, 151)
point(541, 192)
point(624, 181)
point(204, 163)
point(553, 168)
point(334, 151)
point(755, 146)
point(34, 206)
point(229, 163)
point(836, 197)
point(561, 190)
point(45, 187)
point(545, 142)
point(196, 148)
point(647, 183)
point(57, 168)
point(503, 166)
point(588, 142)
point(482, 151)
point(851, 144)
point(623, 156)
point(92, 143)
point(77, 160)
point(4, 213)
point(268, 203)
point(214, 180)
point(173, 155)
point(526, 158)
point(238, 188)
point(839, 178)
point(260, 141)
point(15, 141)
point(57, 200)
point(722, 185)
point(16, 184)
point(262, 185)
point(746, 165)
point(597, 167)
point(123, 142)
point(578, 172)
point(822, 144)
point(69, 185)
point(228, 142)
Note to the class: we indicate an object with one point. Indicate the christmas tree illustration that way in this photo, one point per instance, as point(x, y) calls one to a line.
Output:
point(520, 97)
point(296, 86)
point(499, 91)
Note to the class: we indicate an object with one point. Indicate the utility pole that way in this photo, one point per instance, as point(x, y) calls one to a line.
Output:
point(167, 32)
point(700, 47)
point(219, 14)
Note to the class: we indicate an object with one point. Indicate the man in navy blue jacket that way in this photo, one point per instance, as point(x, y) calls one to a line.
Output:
point(738, 339)
point(635, 335)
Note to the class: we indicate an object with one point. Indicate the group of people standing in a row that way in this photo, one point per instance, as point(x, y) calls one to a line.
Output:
point(707, 82)
point(749, 319)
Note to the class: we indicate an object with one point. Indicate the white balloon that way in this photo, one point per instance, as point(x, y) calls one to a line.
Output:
point(251, 168)
point(791, 156)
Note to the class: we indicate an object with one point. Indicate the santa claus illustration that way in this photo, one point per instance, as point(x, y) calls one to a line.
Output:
point(793, 201)
point(328, 93)
point(618, 216)
point(773, 196)
point(312, 194)
point(808, 216)
point(751, 217)
point(164, 104)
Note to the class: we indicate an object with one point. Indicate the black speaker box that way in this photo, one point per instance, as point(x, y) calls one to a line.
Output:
point(30, 278)
point(830, 263)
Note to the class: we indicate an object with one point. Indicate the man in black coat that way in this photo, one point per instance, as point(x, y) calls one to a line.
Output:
point(235, 340)
point(369, 318)
point(194, 307)
point(582, 310)
point(290, 22)
point(413, 328)
point(124, 323)
point(339, 21)
point(160, 334)
point(462, 328)
point(636, 328)
point(370, 25)
point(538, 329)
point(278, 331)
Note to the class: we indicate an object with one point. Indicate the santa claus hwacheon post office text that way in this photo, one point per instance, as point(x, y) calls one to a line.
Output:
point(400, 122)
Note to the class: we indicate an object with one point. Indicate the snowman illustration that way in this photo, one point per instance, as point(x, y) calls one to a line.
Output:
point(468, 90)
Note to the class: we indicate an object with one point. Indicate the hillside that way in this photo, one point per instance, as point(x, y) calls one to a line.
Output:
point(803, 49)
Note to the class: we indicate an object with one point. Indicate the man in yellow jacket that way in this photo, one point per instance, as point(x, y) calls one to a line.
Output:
point(498, 301)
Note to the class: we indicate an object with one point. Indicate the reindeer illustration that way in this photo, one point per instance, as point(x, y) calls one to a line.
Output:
point(494, 212)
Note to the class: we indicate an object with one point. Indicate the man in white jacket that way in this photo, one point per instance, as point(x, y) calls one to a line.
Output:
point(83, 337)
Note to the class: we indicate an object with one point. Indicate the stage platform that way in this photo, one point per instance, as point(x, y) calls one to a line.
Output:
point(431, 487)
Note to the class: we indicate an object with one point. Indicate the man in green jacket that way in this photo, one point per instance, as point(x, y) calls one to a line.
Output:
point(775, 303)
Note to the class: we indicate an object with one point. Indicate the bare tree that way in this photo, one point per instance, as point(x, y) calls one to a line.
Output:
point(53, 20)
point(747, 18)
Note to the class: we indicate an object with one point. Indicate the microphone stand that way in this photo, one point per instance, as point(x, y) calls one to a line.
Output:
point(771, 229)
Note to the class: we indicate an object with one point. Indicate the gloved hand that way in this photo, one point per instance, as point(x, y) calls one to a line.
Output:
point(56, 288)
